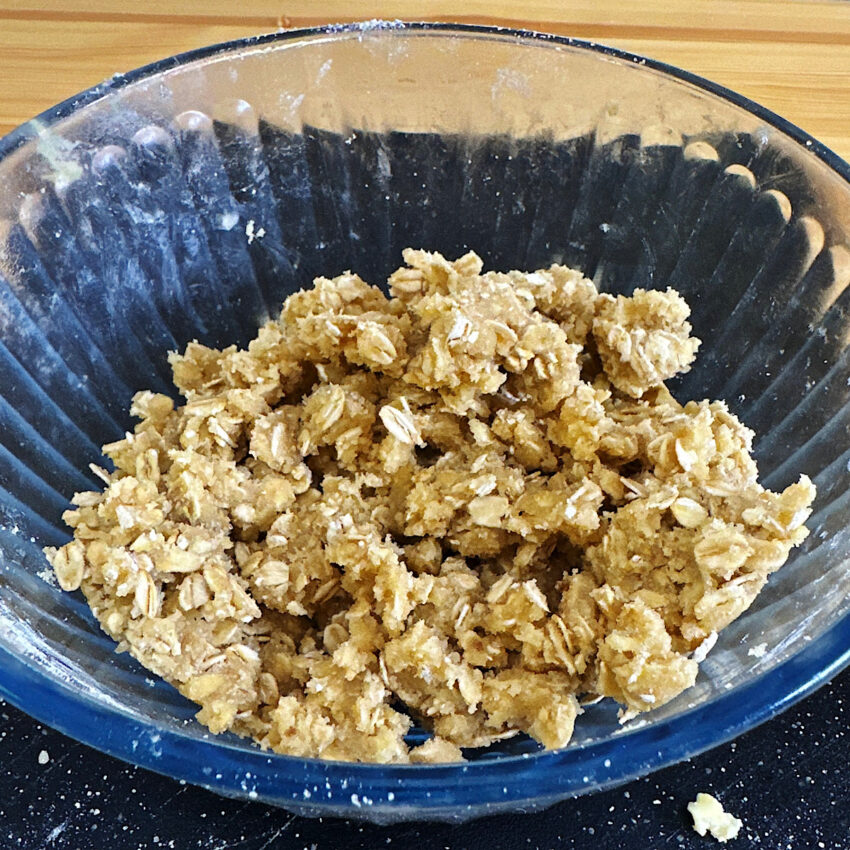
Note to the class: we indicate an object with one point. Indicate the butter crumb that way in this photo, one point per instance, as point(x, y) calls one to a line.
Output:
point(709, 817)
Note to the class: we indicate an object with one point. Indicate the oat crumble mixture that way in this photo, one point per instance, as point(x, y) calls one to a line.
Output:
point(472, 503)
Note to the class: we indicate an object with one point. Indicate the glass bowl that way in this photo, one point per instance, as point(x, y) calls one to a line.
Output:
point(187, 199)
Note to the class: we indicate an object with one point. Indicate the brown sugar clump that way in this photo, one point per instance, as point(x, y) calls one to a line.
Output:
point(473, 498)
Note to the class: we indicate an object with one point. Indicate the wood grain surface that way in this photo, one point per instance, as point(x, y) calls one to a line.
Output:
point(792, 56)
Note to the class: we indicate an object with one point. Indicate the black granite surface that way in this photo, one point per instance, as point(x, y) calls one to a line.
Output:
point(788, 780)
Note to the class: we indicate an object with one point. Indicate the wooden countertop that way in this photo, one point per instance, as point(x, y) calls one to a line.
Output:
point(792, 56)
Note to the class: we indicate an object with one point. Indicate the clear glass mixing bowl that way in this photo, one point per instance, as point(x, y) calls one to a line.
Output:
point(189, 198)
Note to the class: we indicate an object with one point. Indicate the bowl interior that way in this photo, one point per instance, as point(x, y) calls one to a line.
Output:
point(188, 202)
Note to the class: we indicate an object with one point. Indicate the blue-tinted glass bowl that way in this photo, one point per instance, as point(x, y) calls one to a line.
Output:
point(187, 199)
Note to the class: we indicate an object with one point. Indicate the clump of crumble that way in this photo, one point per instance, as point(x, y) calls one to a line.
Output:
point(474, 499)
point(710, 818)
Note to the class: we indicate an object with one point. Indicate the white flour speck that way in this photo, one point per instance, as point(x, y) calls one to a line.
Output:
point(48, 576)
point(253, 233)
point(228, 221)
point(43, 757)
point(56, 832)
point(758, 650)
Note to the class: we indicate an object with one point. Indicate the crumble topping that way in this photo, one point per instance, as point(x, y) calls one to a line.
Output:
point(472, 503)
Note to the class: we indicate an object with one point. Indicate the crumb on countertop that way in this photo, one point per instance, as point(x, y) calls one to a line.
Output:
point(710, 818)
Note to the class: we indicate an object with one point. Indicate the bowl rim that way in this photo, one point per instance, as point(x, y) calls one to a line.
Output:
point(415, 791)
point(26, 131)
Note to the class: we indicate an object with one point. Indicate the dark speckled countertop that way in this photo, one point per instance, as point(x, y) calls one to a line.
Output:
point(788, 780)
